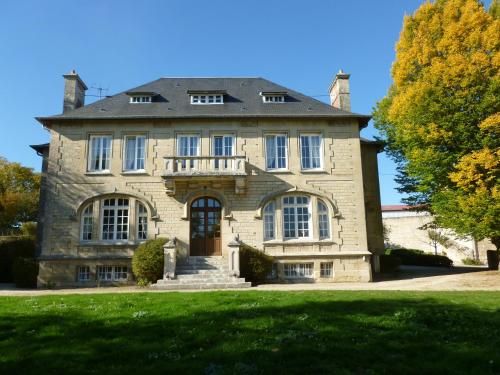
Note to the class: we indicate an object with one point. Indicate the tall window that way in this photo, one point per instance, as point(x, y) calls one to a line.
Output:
point(115, 219)
point(276, 151)
point(323, 221)
point(87, 223)
point(223, 146)
point(134, 153)
point(142, 222)
point(269, 221)
point(99, 153)
point(188, 145)
point(296, 217)
point(310, 151)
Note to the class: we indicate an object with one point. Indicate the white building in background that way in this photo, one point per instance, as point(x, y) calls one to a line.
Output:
point(406, 229)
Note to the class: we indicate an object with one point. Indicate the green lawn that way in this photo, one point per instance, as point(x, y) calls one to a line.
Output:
point(252, 332)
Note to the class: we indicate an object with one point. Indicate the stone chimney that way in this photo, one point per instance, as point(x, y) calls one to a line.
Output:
point(74, 91)
point(340, 96)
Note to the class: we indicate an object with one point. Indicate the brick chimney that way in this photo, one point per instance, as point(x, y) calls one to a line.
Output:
point(74, 91)
point(340, 96)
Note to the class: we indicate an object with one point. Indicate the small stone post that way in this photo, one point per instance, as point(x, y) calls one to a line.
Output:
point(234, 257)
point(170, 256)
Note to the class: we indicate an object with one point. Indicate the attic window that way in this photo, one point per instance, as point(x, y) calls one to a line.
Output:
point(140, 99)
point(273, 97)
point(201, 99)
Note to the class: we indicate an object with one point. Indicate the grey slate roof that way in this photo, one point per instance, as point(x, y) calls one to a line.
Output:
point(243, 99)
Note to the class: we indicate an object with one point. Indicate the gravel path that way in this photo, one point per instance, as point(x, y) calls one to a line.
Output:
point(409, 278)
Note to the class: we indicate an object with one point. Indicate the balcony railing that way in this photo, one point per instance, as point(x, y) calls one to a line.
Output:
point(204, 166)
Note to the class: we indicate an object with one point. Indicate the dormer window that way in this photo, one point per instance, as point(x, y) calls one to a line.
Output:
point(140, 99)
point(273, 97)
point(206, 97)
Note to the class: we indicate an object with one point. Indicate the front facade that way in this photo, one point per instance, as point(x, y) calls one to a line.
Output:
point(210, 162)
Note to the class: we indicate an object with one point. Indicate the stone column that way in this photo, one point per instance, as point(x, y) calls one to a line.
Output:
point(234, 257)
point(170, 256)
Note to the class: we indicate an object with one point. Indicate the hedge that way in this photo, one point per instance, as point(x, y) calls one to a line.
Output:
point(147, 262)
point(389, 263)
point(255, 266)
point(25, 272)
point(412, 257)
point(11, 249)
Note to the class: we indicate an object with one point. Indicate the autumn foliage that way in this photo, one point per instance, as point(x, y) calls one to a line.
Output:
point(19, 192)
point(441, 116)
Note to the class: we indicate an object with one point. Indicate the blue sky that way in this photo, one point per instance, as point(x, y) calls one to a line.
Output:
point(122, 44)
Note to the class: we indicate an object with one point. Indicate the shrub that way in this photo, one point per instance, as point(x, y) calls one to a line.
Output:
point(11, 249)
point(472, 262)
point(412, 257)
point(147, 262)
point(24, 272)
point(255, 266)
point(389, 263)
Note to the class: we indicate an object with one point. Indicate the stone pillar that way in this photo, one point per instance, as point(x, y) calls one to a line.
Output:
point(234, 257)
point(170, 257)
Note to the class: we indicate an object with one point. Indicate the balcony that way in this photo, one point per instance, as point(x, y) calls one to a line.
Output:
point(206, 168)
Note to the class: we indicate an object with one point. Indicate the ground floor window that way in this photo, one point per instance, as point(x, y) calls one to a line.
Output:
point(298, 270)
point(326, 269)
point(83, 273)
point(110, 220)
point(112, 273)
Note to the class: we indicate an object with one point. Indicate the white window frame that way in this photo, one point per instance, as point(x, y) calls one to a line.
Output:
point(87, 213)
point(112, 273)
point(269, 213)
point(120, 273)
point(326, 270)
point(193, 163)
point(141, 222)
point(276, 158)
point(125, 144)
point(115, 209)
point(275, 99)
point(323, 217)
point(83, 273)
point(207, 99)
point(298, 270)
point(107, 271)
point(141, 99)
point(107, 162)
point(321, 152)
point(295, 207)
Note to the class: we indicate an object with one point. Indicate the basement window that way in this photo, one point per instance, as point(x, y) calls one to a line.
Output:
point(298, 270)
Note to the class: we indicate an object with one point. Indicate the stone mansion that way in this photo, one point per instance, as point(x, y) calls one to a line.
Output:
point(209, 163)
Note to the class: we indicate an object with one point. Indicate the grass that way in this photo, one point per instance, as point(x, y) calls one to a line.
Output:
point(252, 333)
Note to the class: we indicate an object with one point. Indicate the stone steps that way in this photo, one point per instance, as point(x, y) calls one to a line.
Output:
point(202, 273)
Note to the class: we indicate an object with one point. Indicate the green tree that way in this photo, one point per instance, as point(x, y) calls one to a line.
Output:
point(19, 192)
point(440, 116)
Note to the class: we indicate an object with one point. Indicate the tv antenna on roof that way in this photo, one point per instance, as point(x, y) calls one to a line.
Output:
point(100, 92)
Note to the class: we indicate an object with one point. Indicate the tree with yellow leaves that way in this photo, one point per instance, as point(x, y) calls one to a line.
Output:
point(441, 116)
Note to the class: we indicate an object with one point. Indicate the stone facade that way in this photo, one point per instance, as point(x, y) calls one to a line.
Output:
point(347, 184)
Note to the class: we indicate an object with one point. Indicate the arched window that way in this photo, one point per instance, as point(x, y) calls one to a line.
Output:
point(142, 222)
point(269, 221)
point(109, 219)
point(87, 223)
point(323, 221)
point(296, 217)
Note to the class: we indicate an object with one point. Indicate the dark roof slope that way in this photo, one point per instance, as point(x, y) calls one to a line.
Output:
point(243, 99)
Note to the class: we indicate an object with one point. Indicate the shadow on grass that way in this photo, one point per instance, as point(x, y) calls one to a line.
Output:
point(417, 272)
point(219, 333)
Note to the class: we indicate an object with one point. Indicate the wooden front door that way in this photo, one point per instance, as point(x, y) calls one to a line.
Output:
point(205, 217)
